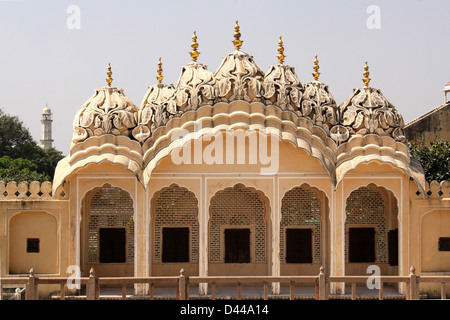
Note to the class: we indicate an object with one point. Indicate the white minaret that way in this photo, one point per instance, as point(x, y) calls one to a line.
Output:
point(47, 119)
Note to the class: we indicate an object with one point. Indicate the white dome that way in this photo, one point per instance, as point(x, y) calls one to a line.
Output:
point(46, 110)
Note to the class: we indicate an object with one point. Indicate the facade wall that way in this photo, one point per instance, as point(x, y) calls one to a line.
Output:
point(429, 221)
point(295, 194)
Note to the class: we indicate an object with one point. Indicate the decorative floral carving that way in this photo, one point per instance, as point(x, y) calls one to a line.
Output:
point(283, 88)
point(195, 87)
point(239, 78)
point(367, 111)
point(319, 105)
point(153, 112)
point(108, 111)
point(339, 134)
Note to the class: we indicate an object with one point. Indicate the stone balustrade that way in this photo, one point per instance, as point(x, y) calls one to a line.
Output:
point(29, 191)
point(43, 191)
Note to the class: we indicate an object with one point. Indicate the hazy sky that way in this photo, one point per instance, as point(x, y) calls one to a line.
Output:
point(51, 55)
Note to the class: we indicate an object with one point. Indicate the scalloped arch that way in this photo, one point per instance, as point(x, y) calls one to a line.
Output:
point(172, 185)
point(264, 198)
point(314, 188)
point(65, 171)
point(386, 150)
point(250, 116)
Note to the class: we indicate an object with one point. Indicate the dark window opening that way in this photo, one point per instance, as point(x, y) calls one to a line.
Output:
point(299, 246)
point(444, 244)
point(361, 245)
point(32, 245)
point(112, 245)
point(393, 247)
point(237, 245)
point(175, 245)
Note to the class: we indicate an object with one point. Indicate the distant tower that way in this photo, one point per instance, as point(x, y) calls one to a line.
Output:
point(47, 119)
point(446, 90)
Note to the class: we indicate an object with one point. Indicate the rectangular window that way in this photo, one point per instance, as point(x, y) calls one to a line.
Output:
point(299, 246)
point(175, 245)
point(112, 245)
point(444, 244)
point(32, 245)
point(393, 247)
point(237, 245)
point(361, 245)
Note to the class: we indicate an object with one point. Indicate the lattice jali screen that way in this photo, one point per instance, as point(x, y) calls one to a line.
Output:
point(366, 206)
point(110, 207)
point(300, 207)
point(237, 206)
point(176, 207)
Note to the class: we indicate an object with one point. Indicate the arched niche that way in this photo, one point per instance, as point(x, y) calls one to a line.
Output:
point(33, 243)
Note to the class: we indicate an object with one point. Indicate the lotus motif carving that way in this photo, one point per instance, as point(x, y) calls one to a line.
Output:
point(195, 87)
point(319, 105)
point(239, 78)
point(109, 111)
point(283, 88)
point(153, 113)
point(367, 111)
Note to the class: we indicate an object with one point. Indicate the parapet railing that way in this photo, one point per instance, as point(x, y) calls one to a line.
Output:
point(433, 190)
point(181, 284)
point(34, 190)
point(43, 191)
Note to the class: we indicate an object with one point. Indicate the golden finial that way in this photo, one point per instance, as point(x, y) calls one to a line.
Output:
point(159, 77)
point(281, 55)
point(194, 45)
point(237, 35)
point(366, 73)
point(109, 73)
point(316, 72)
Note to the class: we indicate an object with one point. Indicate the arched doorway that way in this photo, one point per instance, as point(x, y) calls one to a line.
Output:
point(108, 232)
point(239, 229)
point(175, 232)
point(371, 231)
point(303, 228)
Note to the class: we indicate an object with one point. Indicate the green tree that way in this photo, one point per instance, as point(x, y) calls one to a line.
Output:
point(435, 159)
point(15, 139)
point(16, 142)
point(46, 160)
point(19, 170)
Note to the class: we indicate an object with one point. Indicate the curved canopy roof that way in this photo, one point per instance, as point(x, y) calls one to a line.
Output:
point(365, 127)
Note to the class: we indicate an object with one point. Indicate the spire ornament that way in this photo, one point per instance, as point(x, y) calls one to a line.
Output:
point(366, 74)
point(237, 37)
point(109, 73)
point(281, 55)
point(194, 53)
point(159, 77)
point(195, 87)
point(316, 72)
